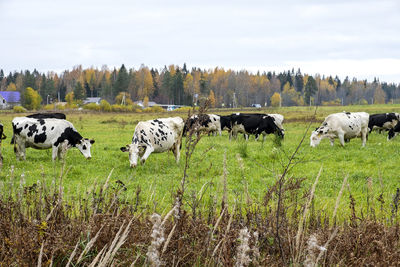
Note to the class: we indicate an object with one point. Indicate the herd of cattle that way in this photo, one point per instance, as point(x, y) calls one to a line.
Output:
point(52, 130)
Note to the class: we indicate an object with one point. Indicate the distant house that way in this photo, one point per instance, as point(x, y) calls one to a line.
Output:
point(150, 103)
point(89, 100)
point(9, 99)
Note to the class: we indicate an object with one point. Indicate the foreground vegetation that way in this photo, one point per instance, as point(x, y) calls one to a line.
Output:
point(223, 196)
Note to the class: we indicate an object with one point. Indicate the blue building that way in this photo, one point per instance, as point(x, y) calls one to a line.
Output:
point(9, 99)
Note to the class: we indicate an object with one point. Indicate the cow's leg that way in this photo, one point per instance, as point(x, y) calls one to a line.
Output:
point(54, 152)
point(149, 150)
point(341, 138)
point(22, 154)
point(62, 150)
point(332, 140)
point(364, 135)
point(176, 150)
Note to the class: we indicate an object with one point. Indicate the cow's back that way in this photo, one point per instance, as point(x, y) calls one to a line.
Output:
point(40, 131)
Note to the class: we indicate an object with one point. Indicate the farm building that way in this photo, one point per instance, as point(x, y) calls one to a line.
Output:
point(150, 103)
point(9, 99)
point(89, 100)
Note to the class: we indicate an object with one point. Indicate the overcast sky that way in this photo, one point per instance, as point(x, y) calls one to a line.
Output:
point(348, 37)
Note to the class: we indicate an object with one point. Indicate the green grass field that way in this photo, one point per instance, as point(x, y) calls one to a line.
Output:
point(252, 166)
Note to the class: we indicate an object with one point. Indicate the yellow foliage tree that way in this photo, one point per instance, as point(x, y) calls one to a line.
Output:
point(276, 100)
point(211, 97)
point(146, 101)
point(379, 95)
point(70, 98)
point(32, 99)
point(12, 87)
point(145, 82)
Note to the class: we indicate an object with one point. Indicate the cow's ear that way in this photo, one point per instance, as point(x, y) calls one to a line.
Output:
point(92, 141)
point(124, 149)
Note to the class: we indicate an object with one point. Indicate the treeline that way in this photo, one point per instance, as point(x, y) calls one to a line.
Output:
point(180, 86)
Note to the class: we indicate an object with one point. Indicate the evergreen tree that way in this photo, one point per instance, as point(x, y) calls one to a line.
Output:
point(298, 81)
point(79, 91)
point(122, 82)
point(310, 89)
point(1, 74)
point(178, 87)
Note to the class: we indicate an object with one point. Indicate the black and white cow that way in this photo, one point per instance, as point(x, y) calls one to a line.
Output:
point(50, 115)
point(60, 135)
point(253, 124)
point(156, 136)
point(209, 123)
point(384, 121)
point(344, 125)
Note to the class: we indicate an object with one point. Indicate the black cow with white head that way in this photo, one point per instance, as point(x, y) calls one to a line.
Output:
point(255, 124)
point(383, 121)
point(60, 135)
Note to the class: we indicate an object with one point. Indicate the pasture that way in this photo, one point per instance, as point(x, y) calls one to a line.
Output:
point(252, 167)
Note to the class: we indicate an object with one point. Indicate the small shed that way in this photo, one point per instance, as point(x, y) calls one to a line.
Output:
point(9, 99)
point(89, 100)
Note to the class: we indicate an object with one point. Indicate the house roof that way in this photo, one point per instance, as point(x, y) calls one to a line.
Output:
point(92, 100)
point(11, 96)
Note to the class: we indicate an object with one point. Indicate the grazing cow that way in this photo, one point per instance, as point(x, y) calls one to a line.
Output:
point(344, 126)
point(60, 135)
point(209, 123)
point(55, 115)
point(384, 121)
point(156, 136)
point(254, 124)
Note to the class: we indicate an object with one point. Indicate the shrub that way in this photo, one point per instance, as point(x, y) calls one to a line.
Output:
point(185, 109)
point(19, 109)
point(92, 106)
point(48, 107)
point(118, 108)
point(105, 106)
point(137, 107)
point(153, 109)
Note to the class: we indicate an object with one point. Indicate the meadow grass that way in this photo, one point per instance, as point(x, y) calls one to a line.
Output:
point(252, 167)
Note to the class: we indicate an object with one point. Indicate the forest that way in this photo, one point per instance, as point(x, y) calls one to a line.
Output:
point(180, 86)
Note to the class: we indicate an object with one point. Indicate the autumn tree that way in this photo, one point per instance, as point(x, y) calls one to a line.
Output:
point(70, 98)
point(12, 87)
point(276, 100)
point(211, 98)
point(379, 95)
point(144, 82)
point(146, 101)
point(32, 99)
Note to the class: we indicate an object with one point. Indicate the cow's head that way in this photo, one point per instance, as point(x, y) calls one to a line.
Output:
point(84, 147)
point(316, 136)
point(391, 134)
point(135, 151)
